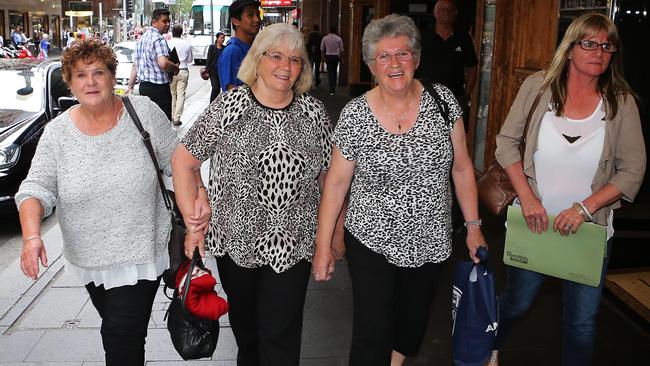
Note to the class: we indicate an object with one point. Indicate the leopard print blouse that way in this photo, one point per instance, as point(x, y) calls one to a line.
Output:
point(263, 176)
point(400, 199)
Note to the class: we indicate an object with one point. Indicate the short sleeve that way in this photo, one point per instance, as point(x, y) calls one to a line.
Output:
point(160, 47)
point(228, 66)
point(201, 139)
point(346, 133)
point(455, 111)
point(326, 137)
point(469, 55)
point(41, 181)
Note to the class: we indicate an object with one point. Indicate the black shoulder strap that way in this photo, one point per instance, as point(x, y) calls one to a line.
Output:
point(443, 107)
point(147, 143)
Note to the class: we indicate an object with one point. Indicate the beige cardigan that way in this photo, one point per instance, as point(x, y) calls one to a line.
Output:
point(622, 162)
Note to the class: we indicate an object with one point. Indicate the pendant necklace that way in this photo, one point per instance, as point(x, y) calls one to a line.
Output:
point(398, 120)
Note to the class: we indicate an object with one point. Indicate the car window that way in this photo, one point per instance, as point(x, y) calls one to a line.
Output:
point(123, 54)
point(58, 87)
point(21, 89)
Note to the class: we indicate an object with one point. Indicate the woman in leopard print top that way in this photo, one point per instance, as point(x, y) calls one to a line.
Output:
point(269, 144)
point(396, 149)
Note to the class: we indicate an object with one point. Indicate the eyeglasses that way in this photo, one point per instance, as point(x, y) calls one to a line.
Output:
point(384, 58)
point(279, 58)
point(593, 45)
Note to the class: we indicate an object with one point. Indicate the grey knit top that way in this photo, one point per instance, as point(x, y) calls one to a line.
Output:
point(110, 208)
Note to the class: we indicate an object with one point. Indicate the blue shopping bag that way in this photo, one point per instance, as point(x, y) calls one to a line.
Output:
point(474, 312)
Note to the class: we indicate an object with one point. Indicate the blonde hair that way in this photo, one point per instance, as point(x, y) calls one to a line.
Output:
point(611, 83)
point(269, 38)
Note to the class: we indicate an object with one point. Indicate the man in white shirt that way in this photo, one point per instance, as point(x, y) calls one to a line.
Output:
point(179, 82)
point(331, 47)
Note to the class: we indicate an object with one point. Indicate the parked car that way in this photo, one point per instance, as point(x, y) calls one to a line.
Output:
point(33, 93)
point(125, 52)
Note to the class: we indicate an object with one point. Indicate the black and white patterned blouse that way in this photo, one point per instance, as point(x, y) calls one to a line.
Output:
point(400, 200)
point(263, 184)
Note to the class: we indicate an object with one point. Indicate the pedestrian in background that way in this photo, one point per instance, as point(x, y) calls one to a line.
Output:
point(44, 48)
point(92, 165)
point(178, 85)
point(269, 145)
point(331, 48)
point(245, 18)
point(71, 39)
point(584, 152)
point(314, 40)
point(448, 55)
point(152, 65)
point(398, 225)
point(214, 52)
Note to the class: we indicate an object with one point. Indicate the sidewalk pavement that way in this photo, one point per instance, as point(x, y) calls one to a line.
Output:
point(51, 321)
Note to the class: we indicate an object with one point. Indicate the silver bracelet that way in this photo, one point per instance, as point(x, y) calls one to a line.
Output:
point(201, 187)
point(478, 223)
point(584, 208)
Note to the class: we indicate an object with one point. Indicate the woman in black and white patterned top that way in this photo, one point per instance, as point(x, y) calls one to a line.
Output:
point(396, 149)
point(269, 143)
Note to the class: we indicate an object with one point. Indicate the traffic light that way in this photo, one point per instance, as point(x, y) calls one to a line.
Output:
point(129, 8)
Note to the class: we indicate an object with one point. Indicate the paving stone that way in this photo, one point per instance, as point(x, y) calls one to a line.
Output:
point(67, 279)
point(327, 361)
point(54, 308)
point(328, 304)
point(159, 346)
point(326, 338)
point(6, 304)
point(16, 311)
point(226, 346)
point(56, 345)
point(43, 364)
point(89, 316)
point(157, 318)
point(17, 346)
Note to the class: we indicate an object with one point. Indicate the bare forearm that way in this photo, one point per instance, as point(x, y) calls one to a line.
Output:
point(466, 192)
point(602, 197)
point(185, 172)
point(330, 212)
point(515, 173)
point(31, 216)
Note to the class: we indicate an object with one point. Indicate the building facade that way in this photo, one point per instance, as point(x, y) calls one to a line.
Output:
point(34, 17)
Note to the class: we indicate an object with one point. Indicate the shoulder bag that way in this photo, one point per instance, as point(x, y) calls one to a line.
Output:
point(494, 187)
point(176, 245)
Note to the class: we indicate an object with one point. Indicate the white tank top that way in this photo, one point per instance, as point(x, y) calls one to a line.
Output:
point(565, 170)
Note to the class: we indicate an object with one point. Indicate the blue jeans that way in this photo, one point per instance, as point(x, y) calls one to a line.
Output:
point(580, 307)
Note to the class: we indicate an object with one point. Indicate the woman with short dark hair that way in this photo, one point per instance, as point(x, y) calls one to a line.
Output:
point(92, 165)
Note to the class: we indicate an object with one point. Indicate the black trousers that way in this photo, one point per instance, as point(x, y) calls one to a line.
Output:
point(390, 305)
point(332, 65)
point(159, 94)
point(265, 311)
point(125, 313)
point(315, 64)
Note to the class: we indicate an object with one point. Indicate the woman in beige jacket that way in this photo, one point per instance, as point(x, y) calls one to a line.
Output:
point(584, 153)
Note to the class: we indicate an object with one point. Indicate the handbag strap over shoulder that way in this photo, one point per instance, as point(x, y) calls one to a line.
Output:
point(146, 138)
point(442, 106)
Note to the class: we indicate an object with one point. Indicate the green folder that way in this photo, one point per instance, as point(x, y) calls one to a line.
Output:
point(577, 257)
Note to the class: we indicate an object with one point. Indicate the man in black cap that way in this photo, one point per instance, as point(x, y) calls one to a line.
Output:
point(245, 18)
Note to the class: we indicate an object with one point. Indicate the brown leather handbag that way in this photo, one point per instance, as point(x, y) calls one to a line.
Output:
point(494, 187)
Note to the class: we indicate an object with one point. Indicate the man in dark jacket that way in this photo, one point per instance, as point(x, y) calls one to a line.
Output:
point(313, 48)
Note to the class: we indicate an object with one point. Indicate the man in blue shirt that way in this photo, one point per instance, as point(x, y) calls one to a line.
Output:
point(152, 64)
point(245, 18)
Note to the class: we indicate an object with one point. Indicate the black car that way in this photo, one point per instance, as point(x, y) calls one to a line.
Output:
point(31, 94)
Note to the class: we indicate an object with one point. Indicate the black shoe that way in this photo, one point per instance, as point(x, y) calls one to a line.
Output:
point(177, 123)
